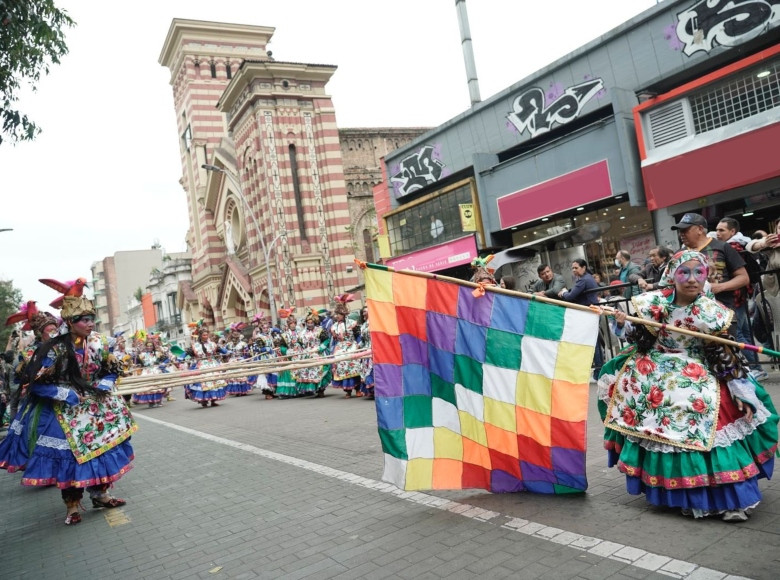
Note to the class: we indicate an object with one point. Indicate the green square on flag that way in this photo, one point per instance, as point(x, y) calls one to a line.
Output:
point(468, 372)
point(418, 411)
point(443, 390)
point(503, 349)
point(545, 321)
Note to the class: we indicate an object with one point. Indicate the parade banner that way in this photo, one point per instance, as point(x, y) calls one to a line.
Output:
point(478, 389)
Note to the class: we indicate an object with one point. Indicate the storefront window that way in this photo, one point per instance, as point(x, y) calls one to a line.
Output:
point(601, 233)
point(430, 222)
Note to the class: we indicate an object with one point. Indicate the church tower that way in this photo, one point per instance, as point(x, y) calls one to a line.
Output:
point(269, 228)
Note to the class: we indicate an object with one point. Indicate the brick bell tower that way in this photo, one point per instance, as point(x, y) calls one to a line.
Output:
point(272, 128)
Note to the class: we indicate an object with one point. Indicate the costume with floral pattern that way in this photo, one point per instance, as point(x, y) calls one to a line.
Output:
point(205, 354)
point(286, 386)
point(672, 425)
point(58, 438)
point(346, 374)
point(311, 346)
point(150, 365)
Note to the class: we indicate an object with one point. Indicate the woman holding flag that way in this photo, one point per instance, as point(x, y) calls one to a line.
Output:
point(684, 420)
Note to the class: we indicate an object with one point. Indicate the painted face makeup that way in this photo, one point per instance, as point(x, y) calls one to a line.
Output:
point(683, 273)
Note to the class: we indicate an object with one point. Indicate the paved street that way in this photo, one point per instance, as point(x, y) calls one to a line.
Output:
point(291, 489)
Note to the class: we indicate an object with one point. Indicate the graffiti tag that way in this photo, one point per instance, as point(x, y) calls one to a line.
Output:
point(417, 171)
point(530, 114)
point(724, 22)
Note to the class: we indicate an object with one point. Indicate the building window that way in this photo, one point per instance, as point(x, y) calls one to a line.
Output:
point(428, 223)
point(368, 246)
point(297, 190)
point(186, 137)
point(741, 96)
point(213, 66)
point(228, 70)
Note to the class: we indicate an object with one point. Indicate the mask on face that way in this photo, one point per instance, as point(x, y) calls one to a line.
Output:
point(618, 264)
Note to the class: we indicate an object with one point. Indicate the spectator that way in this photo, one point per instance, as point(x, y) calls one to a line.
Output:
point(659, 259)
point(629, 272)
point(769, 246)
point(584, 281)
point(508, 282)
point(728, 231)
point(727, 271)
point(549, 284)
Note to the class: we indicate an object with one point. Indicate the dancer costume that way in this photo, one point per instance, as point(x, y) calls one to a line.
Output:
point(150, 365)
point(672, 426)
point(346, 374)
point(286, 386)
point(205, 354)
point(237, 347)
point(60, 440)
point(366, 364)
point(313, 344)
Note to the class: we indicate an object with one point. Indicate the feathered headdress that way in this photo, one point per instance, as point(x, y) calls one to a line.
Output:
point(341, 303)
point(26, 312)
point(481, 269)
point(286, 312)
point(140, 335)
point(313, 316)
point(238, 326)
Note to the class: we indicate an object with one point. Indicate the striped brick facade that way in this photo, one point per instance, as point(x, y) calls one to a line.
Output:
point(273, 127)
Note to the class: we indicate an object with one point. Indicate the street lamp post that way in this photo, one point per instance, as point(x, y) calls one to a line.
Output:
point(266, 249)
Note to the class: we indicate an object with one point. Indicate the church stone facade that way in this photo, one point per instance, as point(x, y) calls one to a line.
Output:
point(270, 126)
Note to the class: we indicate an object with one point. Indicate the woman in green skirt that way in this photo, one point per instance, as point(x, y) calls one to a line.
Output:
point(684, 420)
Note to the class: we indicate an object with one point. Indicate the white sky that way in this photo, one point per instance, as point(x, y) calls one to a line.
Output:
point(104, 174)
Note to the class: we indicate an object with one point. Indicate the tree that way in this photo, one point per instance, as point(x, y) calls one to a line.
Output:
point(10, 302)
point(31, 40)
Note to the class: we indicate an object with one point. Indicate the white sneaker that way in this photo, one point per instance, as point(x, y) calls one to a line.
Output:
point(759, 375)
point(735, 516)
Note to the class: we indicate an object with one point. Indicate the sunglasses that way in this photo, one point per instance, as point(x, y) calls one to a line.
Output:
point(83, 318)
point(684, 273)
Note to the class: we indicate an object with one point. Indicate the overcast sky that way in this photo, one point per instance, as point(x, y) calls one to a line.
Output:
point(104, 174)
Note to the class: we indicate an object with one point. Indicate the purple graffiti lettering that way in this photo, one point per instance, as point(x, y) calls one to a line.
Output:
point(529, 112)
point(417, 171)
point(724, 22)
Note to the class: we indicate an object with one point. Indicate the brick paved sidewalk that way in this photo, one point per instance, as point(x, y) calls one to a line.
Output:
point(217, 506)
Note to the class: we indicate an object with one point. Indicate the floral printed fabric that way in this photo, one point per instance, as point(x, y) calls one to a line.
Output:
point(92, 427)
point(667, 395)
point(345, 343)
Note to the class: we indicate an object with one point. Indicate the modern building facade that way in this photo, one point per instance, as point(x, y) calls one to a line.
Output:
point(115, 282)
point(676, 110)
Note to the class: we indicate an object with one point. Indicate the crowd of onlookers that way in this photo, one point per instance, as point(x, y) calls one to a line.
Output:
point(741, 276)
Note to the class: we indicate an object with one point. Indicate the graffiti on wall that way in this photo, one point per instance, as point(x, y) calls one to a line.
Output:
point(710, 23)
point(417, 170)
point(531, 113)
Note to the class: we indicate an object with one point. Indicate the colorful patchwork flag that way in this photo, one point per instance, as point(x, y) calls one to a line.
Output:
point(478, 392)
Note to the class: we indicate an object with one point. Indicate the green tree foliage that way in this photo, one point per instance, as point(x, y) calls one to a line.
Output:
point(31, 40)
point(10, 302)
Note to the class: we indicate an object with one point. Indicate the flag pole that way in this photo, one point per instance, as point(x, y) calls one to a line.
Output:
point(480, 288)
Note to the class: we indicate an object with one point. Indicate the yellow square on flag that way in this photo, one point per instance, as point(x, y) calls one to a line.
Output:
point(379, 286)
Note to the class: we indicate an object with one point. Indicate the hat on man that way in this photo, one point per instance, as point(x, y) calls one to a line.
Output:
point(688, 220)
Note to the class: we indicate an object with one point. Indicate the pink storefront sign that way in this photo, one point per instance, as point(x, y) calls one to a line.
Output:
point(582, 186)
point(439, 257)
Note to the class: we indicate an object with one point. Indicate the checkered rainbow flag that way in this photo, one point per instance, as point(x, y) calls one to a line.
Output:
point(478, 392)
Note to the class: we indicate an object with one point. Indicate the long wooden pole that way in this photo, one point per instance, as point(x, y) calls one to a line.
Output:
point(139, 384)
point(599, 310)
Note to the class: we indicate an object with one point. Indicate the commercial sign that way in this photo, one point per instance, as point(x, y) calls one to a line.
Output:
point(439, 257)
